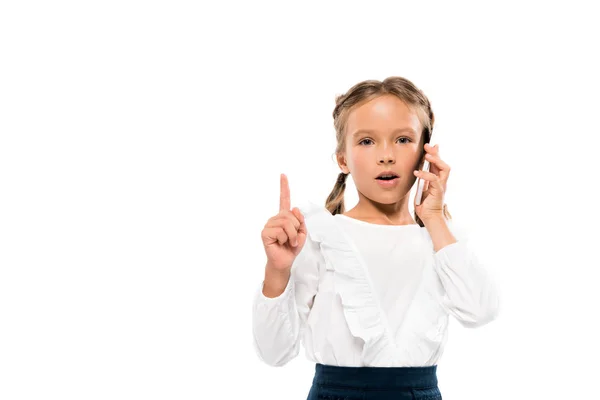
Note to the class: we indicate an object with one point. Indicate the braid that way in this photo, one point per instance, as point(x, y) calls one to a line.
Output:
point(335, 200)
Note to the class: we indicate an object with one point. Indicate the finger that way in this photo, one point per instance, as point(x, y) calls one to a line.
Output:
point(285, 215)
point(290, 230)
point(429, 149)
point(438, 166)
point(284, 195)
point(436, 160)
point(429, 177)
point(302, 230)
point(298, 214)
point(435, 183)
point(275, 234)
point(434, 149)
point(290, 226)
point(430, 155)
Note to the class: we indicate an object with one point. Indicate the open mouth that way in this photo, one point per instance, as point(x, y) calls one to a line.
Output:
point(388, 181)
point(387, 177)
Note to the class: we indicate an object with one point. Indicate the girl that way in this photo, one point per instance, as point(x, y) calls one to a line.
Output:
point(369, 291)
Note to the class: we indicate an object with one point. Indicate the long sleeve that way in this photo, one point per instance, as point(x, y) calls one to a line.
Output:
point(471, 292)
point(278, 323)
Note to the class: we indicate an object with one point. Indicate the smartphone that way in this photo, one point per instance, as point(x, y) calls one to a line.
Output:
point(421, 184)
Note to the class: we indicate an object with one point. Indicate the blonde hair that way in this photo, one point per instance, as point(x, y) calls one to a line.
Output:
point(367, 90)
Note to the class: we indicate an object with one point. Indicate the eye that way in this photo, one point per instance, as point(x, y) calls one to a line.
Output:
point(407, 140)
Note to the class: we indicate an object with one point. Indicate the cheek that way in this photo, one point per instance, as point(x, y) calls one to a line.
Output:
point(357, 163)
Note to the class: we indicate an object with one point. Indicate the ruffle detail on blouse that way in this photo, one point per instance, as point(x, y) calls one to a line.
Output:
point(352, 283)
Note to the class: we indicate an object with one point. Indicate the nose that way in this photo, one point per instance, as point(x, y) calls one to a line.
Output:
point(387, 157)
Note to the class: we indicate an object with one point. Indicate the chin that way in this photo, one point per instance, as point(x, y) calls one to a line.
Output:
point(385, 200)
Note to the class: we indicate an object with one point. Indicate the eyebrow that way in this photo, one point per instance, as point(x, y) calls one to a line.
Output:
point(368, 131)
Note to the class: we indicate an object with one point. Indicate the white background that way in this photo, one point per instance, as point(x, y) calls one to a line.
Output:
point(140, 152)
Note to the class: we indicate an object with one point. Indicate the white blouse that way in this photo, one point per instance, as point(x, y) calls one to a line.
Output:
point(363, 294)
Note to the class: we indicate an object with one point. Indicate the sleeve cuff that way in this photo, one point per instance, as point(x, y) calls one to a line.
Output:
point(282, 297)
point(452, 251)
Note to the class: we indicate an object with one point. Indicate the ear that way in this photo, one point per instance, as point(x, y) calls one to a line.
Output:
point(341, 160)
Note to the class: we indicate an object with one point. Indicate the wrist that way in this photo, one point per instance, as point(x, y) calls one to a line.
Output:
point(277, 272)
point(275, 281)
point(440, 232)
point(434, 220)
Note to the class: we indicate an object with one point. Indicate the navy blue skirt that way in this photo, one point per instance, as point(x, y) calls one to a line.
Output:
point(374, 383)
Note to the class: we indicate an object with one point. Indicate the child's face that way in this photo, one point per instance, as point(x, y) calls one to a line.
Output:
point(382, 134)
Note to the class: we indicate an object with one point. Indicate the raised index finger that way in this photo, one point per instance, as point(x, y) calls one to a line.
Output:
point(284, 196)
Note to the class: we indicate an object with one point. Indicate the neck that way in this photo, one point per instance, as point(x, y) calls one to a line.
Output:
point(394, 213)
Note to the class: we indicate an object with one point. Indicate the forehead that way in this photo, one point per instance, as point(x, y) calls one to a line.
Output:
point(383, 113)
